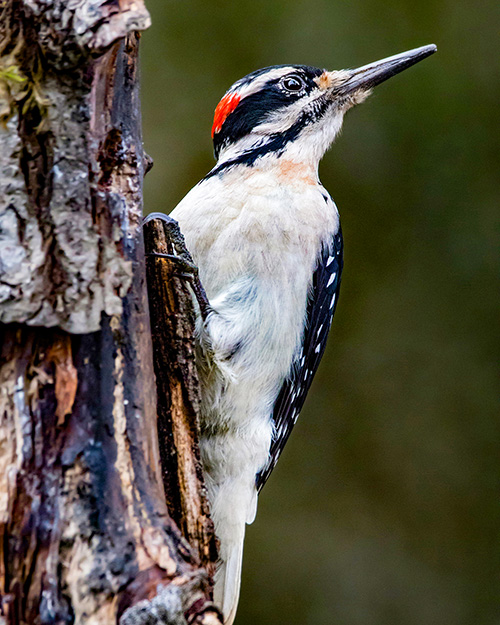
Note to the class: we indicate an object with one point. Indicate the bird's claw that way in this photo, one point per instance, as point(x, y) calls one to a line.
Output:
point(183, 259)
point(187, 266)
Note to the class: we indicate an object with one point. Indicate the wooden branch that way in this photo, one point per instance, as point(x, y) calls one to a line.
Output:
point(86, 537)
point(178, 392)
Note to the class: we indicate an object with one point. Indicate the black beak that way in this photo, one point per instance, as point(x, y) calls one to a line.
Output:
point(373, 74)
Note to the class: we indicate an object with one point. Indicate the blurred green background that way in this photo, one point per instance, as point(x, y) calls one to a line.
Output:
point(385, 507)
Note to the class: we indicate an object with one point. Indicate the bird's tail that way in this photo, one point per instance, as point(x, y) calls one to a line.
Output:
point(233, 506)
point(228, 580)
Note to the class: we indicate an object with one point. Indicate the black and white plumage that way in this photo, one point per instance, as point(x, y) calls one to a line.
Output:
point(266, 238)
point(321, 305)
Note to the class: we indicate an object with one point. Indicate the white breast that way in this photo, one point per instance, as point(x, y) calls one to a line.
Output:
point(256, 236)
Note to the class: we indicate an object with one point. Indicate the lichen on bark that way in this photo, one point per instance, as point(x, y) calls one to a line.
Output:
point(61, 260)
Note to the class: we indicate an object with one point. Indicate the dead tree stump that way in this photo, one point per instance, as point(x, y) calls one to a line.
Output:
point(86, 535)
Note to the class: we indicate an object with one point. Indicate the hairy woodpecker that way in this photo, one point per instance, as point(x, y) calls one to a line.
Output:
point(266, 237)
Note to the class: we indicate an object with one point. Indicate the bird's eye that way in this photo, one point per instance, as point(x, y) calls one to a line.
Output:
point(293, 83)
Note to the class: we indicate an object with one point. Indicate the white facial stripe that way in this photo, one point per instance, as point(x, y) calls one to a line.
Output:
point(247, 143)
point(281, 119)
point(257, 83)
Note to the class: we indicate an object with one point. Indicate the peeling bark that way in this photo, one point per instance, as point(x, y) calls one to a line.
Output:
point(86, 535)
point(178, 390)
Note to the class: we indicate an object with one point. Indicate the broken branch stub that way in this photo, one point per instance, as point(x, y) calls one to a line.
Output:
point(178, 391)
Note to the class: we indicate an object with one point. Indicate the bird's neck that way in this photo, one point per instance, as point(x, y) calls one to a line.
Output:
point(289, 171)
point(271, 154)
point(304, 145)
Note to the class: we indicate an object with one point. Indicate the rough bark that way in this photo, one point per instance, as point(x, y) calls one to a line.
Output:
point(86, 535)
point(173, 325)
point(59, 151)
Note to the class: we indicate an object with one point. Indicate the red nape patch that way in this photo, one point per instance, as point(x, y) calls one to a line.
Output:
point(226, 106)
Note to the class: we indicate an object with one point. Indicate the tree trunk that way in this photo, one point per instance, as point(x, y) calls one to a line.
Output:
point(86, 535)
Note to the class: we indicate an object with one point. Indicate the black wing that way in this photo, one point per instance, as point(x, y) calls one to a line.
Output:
point(320, 310)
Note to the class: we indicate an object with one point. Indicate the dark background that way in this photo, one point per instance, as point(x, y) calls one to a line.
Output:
point(384, 508)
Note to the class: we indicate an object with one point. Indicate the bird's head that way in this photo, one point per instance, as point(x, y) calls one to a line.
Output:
point(295, 109)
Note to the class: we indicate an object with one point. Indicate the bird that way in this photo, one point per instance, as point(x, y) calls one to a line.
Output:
point(265, 237)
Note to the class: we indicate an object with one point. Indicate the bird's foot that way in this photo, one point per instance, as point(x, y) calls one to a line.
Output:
point(183, 259)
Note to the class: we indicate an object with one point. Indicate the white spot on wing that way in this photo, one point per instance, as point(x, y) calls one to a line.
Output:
point(333, 301)
point(332, 278)
point(329, 261)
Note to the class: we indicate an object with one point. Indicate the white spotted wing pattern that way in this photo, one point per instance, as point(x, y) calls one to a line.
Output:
point(320, 310)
